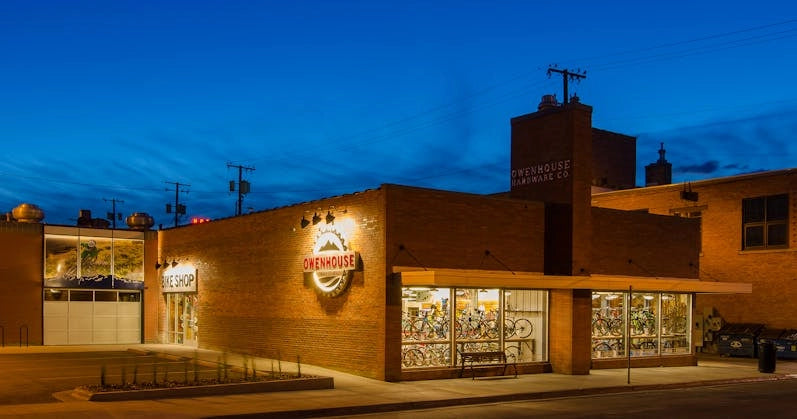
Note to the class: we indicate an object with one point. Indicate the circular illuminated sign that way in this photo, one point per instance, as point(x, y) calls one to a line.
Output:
point(331, 264)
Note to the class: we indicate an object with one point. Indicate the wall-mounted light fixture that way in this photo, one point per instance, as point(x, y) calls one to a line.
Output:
point(158, 265)
point(330, 218)
point(316, 218)
point(174, 263)
point(305, 222)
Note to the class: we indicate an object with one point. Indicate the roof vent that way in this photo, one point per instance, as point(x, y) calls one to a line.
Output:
point(28, 213)
point(140, 221)
point(548, 102)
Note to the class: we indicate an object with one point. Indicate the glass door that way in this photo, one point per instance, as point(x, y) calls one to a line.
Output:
point(181, 324)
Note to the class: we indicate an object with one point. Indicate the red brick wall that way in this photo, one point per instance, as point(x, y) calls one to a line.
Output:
point(151, 293)
point(614, 159)
point(253, 296)
point(21, 272)
point(444, 229)
point(773, 273)
point(641, 244)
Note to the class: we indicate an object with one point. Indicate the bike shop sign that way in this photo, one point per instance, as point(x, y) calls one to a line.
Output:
point(179, 279)
point(331, 264)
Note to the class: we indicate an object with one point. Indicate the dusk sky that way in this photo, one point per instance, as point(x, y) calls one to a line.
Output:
point(112, 99)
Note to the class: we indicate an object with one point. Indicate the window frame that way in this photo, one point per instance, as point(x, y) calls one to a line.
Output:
point(765, 223)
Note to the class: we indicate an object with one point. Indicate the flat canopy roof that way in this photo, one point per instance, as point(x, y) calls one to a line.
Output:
point(413, 276)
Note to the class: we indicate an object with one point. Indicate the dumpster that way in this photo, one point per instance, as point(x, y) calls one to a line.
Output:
point(738, 339)
point(766, 356)
point(786, 344)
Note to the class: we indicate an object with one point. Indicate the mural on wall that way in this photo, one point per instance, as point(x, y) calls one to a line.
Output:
point(60, 261)
point(88, 262)
point(95, 263)
point(128, 264)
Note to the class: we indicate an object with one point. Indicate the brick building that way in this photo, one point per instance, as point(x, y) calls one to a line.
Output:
point(396, 282)
point(748, 234)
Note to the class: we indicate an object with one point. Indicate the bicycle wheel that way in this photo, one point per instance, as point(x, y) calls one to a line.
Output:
point(490, 329)
point(421, 329)
point(509, 328)
point(512, 353)
point(412, 357)
point(523, 328)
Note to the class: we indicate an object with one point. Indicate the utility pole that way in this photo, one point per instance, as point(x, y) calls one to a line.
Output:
point(243, 186)
point(568, 75)
point(179, 209)
point(112, 215)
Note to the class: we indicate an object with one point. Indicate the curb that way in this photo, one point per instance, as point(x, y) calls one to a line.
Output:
point(294, 384)
point(545, 395)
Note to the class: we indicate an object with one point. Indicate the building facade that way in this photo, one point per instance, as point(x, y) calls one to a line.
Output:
point(748, 234)
point(395, 283)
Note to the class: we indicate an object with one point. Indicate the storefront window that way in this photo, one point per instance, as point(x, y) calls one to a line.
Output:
point(483, 320)
point(608, 324)
point(644, 324)
point(675, 322)
point(525, 325)
point(658, 324)
point(477, 320)
point(426, 327)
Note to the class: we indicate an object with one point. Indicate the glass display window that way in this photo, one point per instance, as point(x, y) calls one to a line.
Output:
point(426, 327)
point(675, 321)
point(525, 325)
point(654, 324)
point(608, 324)
point(644, 324)
point(439, 324)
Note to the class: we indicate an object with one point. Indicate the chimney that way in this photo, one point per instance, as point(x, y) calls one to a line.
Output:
point(84, 218)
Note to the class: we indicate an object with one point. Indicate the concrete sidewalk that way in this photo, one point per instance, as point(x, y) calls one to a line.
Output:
point(353, 394)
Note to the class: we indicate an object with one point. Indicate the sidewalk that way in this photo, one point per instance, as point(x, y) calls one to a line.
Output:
point(353, 394)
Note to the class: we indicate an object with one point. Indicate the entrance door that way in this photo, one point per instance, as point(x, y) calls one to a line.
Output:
point(181, 324)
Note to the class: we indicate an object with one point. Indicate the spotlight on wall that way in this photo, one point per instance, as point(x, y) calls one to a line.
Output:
point(316, 218)
point(158, 265)
point(330, 218)
point(305, 222)
point(174, 263)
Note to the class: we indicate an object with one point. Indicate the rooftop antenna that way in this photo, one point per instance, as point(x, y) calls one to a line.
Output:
point(567, 75)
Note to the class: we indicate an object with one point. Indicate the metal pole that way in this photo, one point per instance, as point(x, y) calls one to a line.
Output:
point(240, 195)
point(628, 332)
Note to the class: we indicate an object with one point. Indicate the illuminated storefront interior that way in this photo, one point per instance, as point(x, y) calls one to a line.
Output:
point(646, 324)
point(510, 320)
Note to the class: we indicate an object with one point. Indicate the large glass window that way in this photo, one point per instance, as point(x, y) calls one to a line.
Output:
point(608, 324)
point(93, 262)
point(644, 323)
point(514, 321)
point(525, 325)
point(426, 327)
point(765, 222)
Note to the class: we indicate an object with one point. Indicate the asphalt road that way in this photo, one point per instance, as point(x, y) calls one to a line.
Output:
point(761, 399)
point(33, 378)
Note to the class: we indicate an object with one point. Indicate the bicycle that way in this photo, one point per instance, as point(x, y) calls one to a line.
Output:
point(521, 328)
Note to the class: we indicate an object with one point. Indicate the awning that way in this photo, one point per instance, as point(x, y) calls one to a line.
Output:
point(469, 278)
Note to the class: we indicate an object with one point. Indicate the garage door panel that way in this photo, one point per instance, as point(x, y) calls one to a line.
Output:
point(105, 309)
point(91, 322)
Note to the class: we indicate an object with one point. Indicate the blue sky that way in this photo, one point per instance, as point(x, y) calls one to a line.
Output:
point(111, 99)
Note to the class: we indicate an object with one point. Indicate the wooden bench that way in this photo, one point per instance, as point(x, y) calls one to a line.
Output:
point(485, 359)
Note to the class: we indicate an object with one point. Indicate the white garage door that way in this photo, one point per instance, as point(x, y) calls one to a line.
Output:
point(80, 317)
